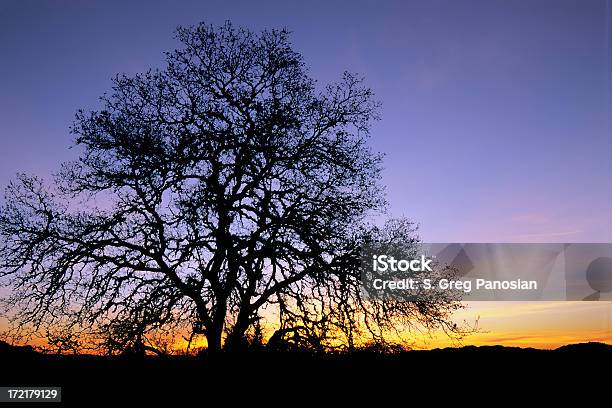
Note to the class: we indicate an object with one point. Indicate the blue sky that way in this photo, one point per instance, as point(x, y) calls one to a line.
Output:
point(495, 119)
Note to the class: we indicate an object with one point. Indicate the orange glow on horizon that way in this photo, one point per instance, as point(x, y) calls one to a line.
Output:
point(543, 325)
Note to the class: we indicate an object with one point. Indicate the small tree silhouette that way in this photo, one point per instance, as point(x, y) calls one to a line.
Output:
point(223, 189)
point(62, 340)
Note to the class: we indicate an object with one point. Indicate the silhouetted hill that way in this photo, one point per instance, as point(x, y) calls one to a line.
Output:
point(260, 375)
point(587, 347)
point(6, 348)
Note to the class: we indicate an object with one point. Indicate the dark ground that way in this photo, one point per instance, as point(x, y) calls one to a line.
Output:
point(493, 375)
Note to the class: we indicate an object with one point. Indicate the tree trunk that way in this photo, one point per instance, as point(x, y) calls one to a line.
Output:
point(213, 338)
point(235, 340)
point(214, 333)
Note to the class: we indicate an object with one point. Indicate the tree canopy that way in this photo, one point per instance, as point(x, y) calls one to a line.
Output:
point(225, 190)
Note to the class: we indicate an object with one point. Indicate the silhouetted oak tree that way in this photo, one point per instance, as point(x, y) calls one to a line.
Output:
point(221, 190)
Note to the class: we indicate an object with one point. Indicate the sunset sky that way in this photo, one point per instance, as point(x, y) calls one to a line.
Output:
point(496, 119)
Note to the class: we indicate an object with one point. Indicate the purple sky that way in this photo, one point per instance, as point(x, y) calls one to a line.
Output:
point(496, 114)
